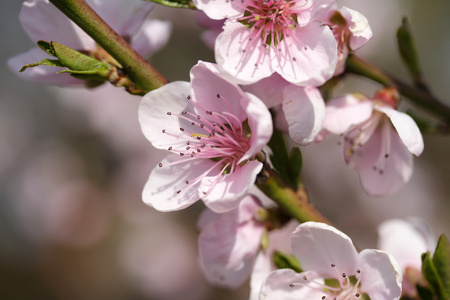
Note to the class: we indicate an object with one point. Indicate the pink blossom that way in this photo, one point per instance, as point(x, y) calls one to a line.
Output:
point(213, 130)
point(275, 36)
point(229, 243)
point(300, 111)
point(327, 254)
point(377, 140)
point(213, 28)
point(351, 31)
point(407, 240)
point(43, 21)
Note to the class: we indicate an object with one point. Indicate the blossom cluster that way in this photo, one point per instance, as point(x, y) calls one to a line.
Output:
point(272, 57)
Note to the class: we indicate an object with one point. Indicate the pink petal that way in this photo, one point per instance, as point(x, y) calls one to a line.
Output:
point(344, 112)
point(406, 128)
point(406, 241)
point(160, 191)
point(152, 37)
point(278, 286)
point(229, 189)
point(43, 21)
point(309, 57)
point(236, 60)
point(207, 82)
point(358, 26)
point(42, 74)
point(270, 89)
point(260, 123)
point(261, 269)
point(317, 246)
point(391, 172)
point(228, 245)
point(153, 115)
point(304, 110)
point(381, 276)
point(218, 9)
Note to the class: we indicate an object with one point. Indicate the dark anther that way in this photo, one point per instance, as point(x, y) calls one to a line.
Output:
point(163, 131)
point(160, 165)
point(169, 113)
point(170, 148)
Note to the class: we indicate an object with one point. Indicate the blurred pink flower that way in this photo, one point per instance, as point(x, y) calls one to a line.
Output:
point(326, 253)
point(213, 130)
point(43, 21)
point(377, 140)
point(265, 37)
point(407, 240)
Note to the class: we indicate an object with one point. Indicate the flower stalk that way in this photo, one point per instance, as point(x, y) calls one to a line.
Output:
point(139, 70)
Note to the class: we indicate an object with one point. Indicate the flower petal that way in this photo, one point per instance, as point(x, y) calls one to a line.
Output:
point(277, 286)
point(407, 129)
point(43, 21)
point(270, 89)
point(228, 190)
point(317, 246)
point(308, 57)
point(261, 269)
point(228, 245)
point(381, 276)
point(207, 83)
point(218, 9)
point(358, 26)
point(304, 110)
point(161, 189)
point(260, 123)
point(153, 36)
point(153, 115)
point(344, 112)
point(42, 74)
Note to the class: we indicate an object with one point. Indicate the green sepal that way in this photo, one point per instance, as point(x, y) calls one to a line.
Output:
point(436, 269)
point(175, 3)
point(424, 293)
point(286, 261)
point(295, 165)
point(408, 52)
point(47, 47)
point(43, 62)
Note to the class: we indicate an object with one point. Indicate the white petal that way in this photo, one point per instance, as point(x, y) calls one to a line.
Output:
point(344, 112)
point(153, 36)
point(277, 286)
point(317, 246)
point(381, 276)
point(42, 74)
point(153, 115)
point(304, 110)
point(229, 189)
point(261, 269)
point(43, 21)
point(247, 61)
point(207, 82)
point(391, 172)
point(270, 90)
point(160, 191)
point(309, 57)
point(407, 129)
point(229, 244)
point(260, 123)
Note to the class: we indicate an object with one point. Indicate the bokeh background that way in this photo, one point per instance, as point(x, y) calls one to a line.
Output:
point(73, 164)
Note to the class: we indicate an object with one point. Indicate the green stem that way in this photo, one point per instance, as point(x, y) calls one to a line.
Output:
point(137, 68)
point(418, 96)
point(294, 203)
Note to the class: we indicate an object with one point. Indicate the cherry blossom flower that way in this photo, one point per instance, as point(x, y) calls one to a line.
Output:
point(334, 269)
point(229, 243)
point(43, 21)
point(274, 36)
point(214, 130)
point(407, 240)
point(300, 111)
point(377, 140)
point(351, 31)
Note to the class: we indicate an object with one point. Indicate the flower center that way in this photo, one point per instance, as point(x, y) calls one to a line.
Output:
point(343, 287)
point(218, 136)
point(270, 20)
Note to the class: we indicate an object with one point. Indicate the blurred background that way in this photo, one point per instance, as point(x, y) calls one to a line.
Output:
point(73, 163)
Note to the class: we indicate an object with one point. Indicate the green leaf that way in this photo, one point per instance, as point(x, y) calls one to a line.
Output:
point(424, 293)
point(286, 261)
point(441, 260)
point(44, 62)
point(47, 47)
point(175, 3)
